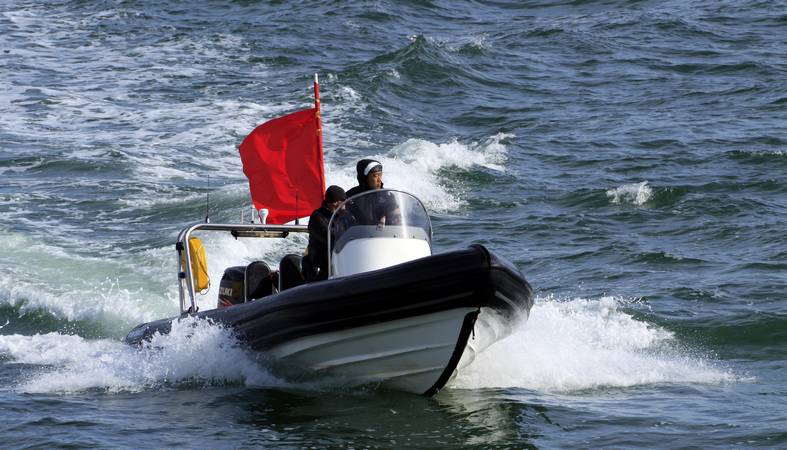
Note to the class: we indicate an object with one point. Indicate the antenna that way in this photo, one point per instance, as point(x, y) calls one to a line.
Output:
point(207, 203)
point(296, 208)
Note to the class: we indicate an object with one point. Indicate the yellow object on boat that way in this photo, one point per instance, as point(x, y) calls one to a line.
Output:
point(199, 265)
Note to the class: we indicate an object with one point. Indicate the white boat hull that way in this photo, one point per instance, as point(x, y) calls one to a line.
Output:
point(409, 354)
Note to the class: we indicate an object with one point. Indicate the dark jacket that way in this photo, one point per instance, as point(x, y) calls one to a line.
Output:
point(357, 190)
point(315, 263)
point(369, 209)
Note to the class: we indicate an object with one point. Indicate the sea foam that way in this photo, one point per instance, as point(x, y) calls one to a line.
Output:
point(565, 346)
point(195, 352)
point(415, 165)
point(112, 293)
point(581, 344)
point(636, 193)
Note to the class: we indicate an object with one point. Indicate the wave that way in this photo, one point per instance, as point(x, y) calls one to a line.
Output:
point(636, 194)
point(643, 194)
point(418, 166)
point(421, 68)
point(20, 164)
point(580, 344)
point(50, 288)
point(778, 157)
point(661, 257)
point(19, 318)
point(55, 289)
point(736, 68)
point(196, 352)
point(767, 332)
point(565, 346)
point(423, 57)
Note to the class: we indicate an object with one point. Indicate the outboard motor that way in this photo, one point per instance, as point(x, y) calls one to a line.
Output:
point(290, 274)
point(231, 289)
point(260, 281)
point(242, 284)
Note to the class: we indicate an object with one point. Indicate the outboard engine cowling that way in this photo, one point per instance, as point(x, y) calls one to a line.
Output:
point(260, 281)
point(231, 289)
point(242, 284)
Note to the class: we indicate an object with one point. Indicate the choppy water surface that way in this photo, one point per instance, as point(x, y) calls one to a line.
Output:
point(628, 156)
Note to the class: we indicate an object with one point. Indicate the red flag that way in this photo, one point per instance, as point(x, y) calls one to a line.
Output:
point(282, 159)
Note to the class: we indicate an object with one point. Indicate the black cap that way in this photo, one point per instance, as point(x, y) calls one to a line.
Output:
point(335, 194)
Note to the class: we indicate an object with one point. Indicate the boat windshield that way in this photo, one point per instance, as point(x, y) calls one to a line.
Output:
point(379, 213)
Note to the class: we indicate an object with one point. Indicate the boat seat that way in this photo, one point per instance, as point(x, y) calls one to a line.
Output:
point(259, 282)
point(290, 274)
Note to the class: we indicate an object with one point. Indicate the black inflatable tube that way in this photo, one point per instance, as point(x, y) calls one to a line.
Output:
point(472, 277)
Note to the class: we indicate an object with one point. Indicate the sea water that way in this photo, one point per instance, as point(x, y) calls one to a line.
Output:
point(628, 156)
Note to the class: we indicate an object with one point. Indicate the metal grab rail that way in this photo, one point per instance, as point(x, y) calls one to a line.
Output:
point(237, 230)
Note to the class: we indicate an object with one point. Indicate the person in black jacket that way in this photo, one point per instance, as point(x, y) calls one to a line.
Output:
point(370, 176)
point(371, 209)
point(315, 262)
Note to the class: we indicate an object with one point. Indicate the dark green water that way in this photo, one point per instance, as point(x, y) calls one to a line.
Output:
point(628, 156)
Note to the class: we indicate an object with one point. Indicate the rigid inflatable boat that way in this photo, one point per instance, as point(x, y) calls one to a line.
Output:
point(390, 312)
